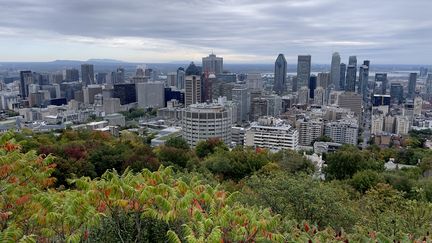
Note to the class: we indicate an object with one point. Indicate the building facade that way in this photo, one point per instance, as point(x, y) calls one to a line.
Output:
point(271, 133)
point(204, 121)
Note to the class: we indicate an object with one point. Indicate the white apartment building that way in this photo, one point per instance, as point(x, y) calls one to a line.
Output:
point(272, 133)
point(309, 130)
point(343, 131)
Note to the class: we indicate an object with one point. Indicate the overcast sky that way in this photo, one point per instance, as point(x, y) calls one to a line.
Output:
point(242, 31)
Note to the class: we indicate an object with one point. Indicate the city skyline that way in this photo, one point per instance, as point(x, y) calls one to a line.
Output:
point(246, 31)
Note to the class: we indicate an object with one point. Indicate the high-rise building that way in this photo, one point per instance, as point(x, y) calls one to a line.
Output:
point(89, 93)
point(402, 125)
point(389, 124)
point(342, 83)
point(303, 70)
point(192, 85)
point(204, 121)
point(280, 73)
point(258, 108)
point(323, 80)
point(87, 74)
point(150, 94)
point(172, 94)
point(120, 75)
point(364, 79)
point(212, 64)
point(254, 81)
point(125, 92)
point(335, 70)
point(382, 78)
point(352, 60)
point(312, 86)
point(381, 100)
point(342, 131)
point(56, 78)
point(429, 85)
point(351, 76)
point(150, 73)
point(418, 106)
point(139, 72)
point(309, 130)
point(271, 133)
point(180, 83)
point(192, 89)
point(412, 85)
point(319, 95)
point(192, 69)
point(171, 79)
point(423, 72)
point(207, 86)
point(101, 78)
point(274, 105)
point(351, 101)
point(303, 95)
point(26, 78)
point(377, 124)
point(396, 92)
point(240, 97)
point(71, 75)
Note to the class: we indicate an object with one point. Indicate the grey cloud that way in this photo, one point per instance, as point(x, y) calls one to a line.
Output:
point(381, 29)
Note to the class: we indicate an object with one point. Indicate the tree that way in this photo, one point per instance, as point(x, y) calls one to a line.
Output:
point(207, 147)
point(324, 139)
point(301, 198)
point(366, 179)
point(236, 164)
point(177, 142)
point(345, 162)
point(293, 162)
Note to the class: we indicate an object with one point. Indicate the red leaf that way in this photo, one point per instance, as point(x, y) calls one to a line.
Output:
point(22, 200)
point(306, 227)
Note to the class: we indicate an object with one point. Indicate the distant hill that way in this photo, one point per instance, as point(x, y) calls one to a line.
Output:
point(105, 60)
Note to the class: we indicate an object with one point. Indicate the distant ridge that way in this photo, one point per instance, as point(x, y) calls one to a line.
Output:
point(105, 60)
point(93, 60)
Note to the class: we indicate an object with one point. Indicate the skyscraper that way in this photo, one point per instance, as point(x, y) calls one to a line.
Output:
point(352, 60)
point(351, 74)
point(87, 74)
point(280, 74)
point(101, 78)
point(323, 80)
point(396, 92)
point(192, 85)
point(212, 64)
point(351, 77)
point(382, 78)
point(26, 78)
point(240, 97)
point(412, 85)
point(364, 79)
point(120, 75)
point(342, 82)
point(335, 70)
point(180, 83)
point(71, 75)
point(429, 84)
point(303, 70)
point(312, 86)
